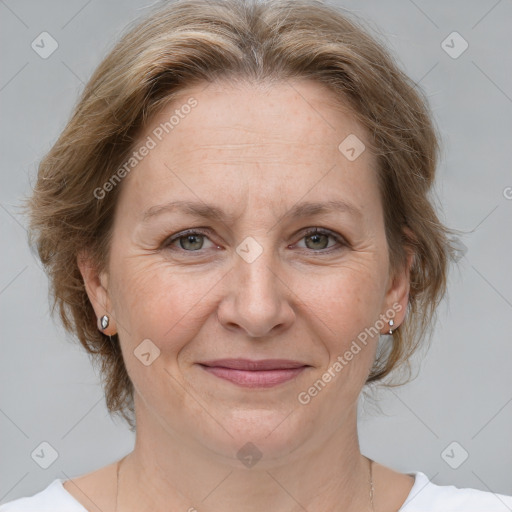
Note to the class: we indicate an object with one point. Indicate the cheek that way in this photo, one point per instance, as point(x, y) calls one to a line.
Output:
point(162, 303)
point(349, 299)
point(157, 303)
point(346, 307)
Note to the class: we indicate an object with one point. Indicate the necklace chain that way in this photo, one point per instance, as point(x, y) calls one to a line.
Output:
point(371, 485)
point(117, 482)
point(370, 481)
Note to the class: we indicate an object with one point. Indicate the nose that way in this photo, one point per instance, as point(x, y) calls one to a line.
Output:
point(257, 303)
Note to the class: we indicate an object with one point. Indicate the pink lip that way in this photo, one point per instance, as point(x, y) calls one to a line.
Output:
point(252, 374)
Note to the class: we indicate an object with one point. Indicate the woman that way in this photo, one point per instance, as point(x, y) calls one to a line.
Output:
point(233, 218)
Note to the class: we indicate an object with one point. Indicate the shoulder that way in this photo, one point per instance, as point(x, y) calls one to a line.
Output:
point(53, 498)
point(426, 496)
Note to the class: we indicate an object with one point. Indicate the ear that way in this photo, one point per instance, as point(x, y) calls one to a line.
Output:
point(397, 295)
point(96, 286)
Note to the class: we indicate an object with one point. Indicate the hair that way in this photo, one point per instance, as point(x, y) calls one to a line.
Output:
point(183, 43)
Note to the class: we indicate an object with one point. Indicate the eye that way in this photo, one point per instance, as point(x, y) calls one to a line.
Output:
point(319, 240)
point(188, 241)
point(193, 240)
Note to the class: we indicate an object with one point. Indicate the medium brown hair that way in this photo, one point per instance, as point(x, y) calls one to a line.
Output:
point(191, 41)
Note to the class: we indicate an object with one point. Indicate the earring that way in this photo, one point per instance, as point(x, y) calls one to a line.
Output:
point(391, 323)
point(104, 321)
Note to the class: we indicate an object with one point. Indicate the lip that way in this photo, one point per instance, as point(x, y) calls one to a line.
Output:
point(252, 374)
point(254, 365)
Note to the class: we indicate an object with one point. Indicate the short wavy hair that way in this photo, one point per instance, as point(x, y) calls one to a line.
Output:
point(186, 42)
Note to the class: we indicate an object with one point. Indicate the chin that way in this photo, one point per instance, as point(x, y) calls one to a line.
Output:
point(258, 436)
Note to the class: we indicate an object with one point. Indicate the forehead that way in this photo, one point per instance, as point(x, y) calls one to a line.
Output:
point(258, 141)
point(274, 114)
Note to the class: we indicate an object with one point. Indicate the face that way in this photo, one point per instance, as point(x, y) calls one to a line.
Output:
point(239, 273)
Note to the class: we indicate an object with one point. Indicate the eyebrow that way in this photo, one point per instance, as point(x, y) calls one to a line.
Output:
point(212, 212)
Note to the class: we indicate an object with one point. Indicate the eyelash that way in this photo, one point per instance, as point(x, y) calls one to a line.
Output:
point(199, 231)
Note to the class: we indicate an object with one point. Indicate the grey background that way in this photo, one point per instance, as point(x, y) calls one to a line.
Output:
point(463, 393)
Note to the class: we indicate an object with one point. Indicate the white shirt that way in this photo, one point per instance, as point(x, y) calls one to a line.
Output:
point(423, 497)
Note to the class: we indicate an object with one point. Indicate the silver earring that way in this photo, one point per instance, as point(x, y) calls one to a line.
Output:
point(104, 321)
point(391, 323)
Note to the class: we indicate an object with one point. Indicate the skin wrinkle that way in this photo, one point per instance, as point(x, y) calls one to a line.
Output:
point(285, 304)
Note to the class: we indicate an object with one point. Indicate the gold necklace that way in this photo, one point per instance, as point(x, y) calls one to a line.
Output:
point(370, 481)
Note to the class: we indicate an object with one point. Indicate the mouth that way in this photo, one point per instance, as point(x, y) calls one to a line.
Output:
point(255, 374)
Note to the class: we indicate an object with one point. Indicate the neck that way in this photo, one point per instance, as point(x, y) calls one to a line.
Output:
point(169, 471)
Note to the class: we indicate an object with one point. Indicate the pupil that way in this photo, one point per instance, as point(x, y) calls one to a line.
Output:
point(190, 239)
point(315, 238)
